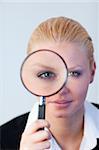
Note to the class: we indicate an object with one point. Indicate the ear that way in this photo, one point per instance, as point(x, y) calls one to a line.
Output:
point(93, 69)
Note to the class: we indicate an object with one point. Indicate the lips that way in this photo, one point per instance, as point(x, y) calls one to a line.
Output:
point(61, 103)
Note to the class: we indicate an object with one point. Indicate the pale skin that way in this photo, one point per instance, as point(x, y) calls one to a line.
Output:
point(65, 110)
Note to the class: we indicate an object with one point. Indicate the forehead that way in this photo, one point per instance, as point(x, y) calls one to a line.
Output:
point(72, 53)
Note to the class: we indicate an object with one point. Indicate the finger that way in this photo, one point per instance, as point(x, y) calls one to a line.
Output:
point(36, 126)
point(42, 146)
point(31, 145)
point(40, 136)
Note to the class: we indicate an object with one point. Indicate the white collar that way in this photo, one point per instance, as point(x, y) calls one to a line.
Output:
point(91, 127)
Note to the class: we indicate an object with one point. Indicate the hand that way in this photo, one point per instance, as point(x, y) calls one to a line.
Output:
point(35, 139)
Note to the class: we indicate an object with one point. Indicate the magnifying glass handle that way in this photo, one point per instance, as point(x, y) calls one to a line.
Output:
point(41, 113)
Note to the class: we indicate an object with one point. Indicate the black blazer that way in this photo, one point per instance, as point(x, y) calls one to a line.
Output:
point(10, 133)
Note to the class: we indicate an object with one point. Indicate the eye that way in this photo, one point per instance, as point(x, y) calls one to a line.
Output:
point(74, 73)
point(46, 75)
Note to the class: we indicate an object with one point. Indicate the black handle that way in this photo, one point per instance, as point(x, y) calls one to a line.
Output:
point(41, 113)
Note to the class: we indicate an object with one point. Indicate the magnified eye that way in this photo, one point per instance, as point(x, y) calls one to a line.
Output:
point(46, 75)
point(74, 73)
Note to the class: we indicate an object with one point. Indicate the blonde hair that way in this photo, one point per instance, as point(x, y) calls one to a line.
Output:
point(61, 29)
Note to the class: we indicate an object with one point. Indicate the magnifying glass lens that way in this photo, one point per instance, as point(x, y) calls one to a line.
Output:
point(44, 73)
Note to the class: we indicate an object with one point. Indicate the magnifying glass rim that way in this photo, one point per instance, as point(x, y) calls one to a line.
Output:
point(40, 50)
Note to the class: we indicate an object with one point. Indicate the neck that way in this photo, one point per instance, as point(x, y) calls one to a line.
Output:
point(67, 128)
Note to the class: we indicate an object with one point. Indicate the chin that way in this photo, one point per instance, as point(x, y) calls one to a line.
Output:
point(61, 114)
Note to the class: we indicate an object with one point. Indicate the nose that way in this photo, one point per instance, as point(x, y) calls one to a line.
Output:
point(64, 91)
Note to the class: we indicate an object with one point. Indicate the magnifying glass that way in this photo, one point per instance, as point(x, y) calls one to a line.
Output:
point(43, 73)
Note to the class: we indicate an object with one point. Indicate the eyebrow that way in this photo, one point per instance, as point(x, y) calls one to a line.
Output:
point(53, 68)
point(74, 67)
point(43, 66)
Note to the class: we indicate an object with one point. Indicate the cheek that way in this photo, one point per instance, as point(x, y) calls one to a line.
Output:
point(79, 90)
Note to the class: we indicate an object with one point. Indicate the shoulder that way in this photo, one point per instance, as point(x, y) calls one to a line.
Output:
point(92, 119)
point(92, 112)
point(11, 132)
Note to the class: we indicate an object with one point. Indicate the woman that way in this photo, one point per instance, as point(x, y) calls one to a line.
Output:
point(70, 121)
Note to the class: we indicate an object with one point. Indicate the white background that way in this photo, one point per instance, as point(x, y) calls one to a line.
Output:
point(17, 21)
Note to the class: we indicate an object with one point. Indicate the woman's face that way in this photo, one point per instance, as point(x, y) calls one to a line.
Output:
point(70, 99)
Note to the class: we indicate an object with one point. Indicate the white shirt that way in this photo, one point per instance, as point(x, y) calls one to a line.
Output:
point(91, 127)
